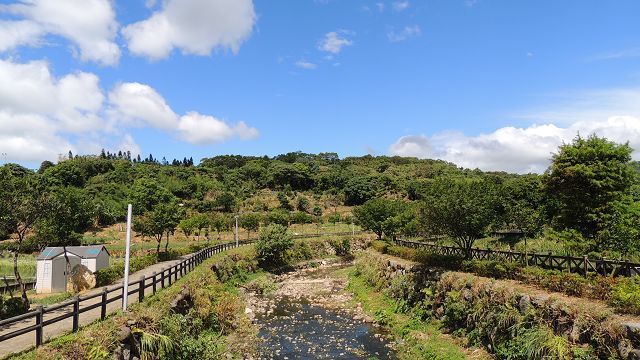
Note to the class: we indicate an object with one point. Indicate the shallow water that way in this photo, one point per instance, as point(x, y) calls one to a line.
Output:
point(299, 330)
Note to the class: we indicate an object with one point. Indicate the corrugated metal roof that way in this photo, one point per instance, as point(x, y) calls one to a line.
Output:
point(85, 252)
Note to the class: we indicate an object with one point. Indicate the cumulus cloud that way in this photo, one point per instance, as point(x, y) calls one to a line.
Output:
point(90, 25)
point(140, 104)
point(404, 34)
point(193, 26)
point(204, 129)
point(333, 42)
point(303, 64)
point(515, 149)
point(42, 115)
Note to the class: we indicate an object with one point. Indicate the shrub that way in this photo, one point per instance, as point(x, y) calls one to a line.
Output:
point(341, 247)
point(300, 217)
point(273, 242)
point(380, 246)
point(625, 295)
point(492, 268)
point(12, 307)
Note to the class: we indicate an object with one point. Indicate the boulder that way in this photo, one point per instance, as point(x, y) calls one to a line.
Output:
point(632, 331)
point(81, 279)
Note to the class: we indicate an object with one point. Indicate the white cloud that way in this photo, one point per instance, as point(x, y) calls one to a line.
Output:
point(404, 34)
point(400, 5)
point(612, 113)
point(333, 42)
point(42, 115)
point(380, 6)
point(303, 64)
point(193, 26)
point(88, 24)
point(140, 104)
point(204, 129)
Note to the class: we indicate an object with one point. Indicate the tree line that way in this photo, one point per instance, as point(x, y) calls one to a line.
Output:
point(588, 200)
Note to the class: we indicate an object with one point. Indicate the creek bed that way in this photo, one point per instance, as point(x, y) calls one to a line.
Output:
point(300, 327)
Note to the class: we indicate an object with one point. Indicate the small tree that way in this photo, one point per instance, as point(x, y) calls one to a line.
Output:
point(187, 226)
point(302, 204)
point(200, 222)
point(372, 215)
point(273, 242)
point(461, 209)
point(23, 202)
point(585, 179)
point(226, 201)
point(219, 223)
point(250, 222)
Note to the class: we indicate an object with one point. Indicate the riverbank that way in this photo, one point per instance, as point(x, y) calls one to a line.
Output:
point(329, 311)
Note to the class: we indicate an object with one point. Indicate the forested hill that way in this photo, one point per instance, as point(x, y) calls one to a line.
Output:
point(234, 182)
point(590, 194)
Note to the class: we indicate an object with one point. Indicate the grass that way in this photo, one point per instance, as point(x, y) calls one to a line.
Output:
point(26, 266)
point(422, 339)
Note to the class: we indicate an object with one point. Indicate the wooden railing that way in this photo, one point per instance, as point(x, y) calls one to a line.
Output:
point(580, 265)
point(108, 295)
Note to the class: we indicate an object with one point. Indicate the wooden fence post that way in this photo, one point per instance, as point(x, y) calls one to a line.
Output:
point(154, 282)
point(76, 313)
point(162, 278)
point(585, 261)
point(39, 329)
point(141, 289)
point(103, 304)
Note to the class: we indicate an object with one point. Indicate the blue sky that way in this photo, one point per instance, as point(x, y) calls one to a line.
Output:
point(491, 84)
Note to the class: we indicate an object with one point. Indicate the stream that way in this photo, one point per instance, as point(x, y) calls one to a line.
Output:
point(311, 316)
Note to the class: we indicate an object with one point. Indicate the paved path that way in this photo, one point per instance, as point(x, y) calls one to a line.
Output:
point(27, 341)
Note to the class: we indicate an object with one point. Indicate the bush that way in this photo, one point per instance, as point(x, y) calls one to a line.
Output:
point(300, 217)
point(12, 307)
point(625, 295)
point(569, 283)
point(273, 242)
point(341, 247)
point(492, 268)
point(380, 246)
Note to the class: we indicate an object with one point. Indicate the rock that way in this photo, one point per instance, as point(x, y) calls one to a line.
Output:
point(124, 335)
point(117, 353)
point(632, 331)
point(126, 352)
point(81, 279)
point(524, 303)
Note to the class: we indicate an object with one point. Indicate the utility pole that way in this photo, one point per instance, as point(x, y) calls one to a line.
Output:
point(125, 286)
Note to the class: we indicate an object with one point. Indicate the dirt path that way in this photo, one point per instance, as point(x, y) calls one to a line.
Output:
point(27, 341)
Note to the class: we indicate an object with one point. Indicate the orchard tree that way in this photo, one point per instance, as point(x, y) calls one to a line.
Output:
point(162, 220)
point(187, 226)
point(462, 209)
point(220, 223)
point(586, 179)
point(250, 222)
point(373, 214)
point(200, 222)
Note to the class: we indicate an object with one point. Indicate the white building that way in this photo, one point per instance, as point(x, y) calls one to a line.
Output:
point(51, 268)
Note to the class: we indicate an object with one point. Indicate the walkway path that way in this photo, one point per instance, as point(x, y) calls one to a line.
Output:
point(27, 341)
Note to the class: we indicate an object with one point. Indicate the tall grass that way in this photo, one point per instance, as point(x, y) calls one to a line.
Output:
point(26, 266)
